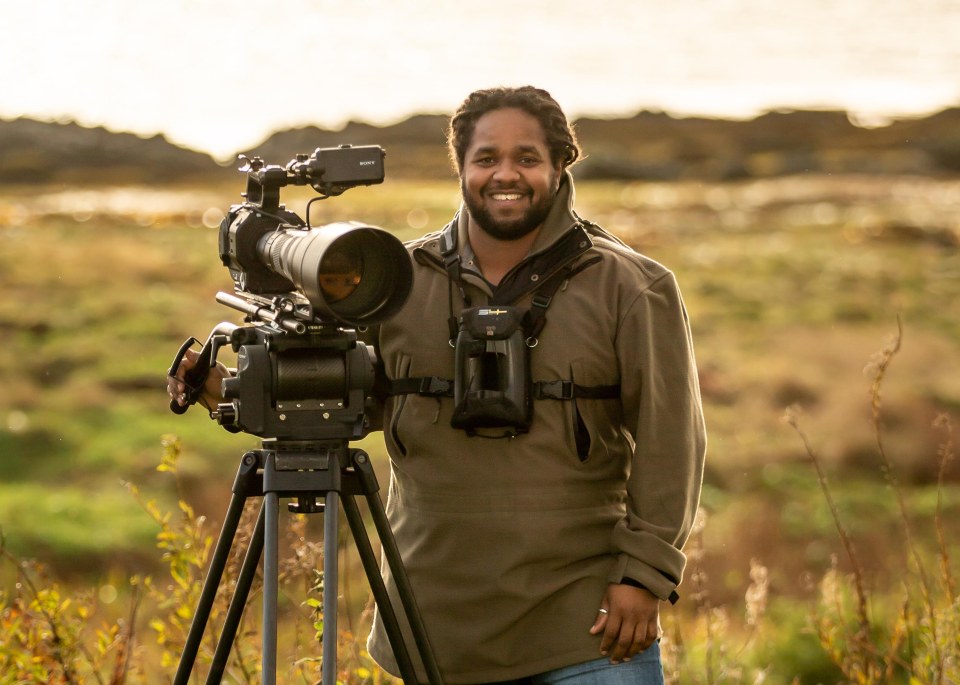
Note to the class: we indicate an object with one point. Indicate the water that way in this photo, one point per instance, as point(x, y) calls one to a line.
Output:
point(220, 75)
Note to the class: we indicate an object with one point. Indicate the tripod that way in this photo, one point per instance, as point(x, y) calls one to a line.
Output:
point(316, 473)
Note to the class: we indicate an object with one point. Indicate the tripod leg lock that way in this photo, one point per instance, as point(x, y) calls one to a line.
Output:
point(364, 470)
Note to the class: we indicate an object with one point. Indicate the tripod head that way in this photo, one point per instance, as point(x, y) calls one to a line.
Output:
point(299, 385)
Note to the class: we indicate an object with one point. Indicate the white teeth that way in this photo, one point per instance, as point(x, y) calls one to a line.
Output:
point(507, 196)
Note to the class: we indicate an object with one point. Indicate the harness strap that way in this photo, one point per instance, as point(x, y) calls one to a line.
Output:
point(536, 317)
point(432, 386)
point(428, 386)
point(451, 262)
point(568, 390)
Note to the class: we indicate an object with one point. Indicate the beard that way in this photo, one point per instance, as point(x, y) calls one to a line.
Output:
point(508, 229)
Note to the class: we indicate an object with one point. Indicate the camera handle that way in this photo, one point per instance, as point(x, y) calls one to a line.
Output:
point(196, 376)
point(312, 473)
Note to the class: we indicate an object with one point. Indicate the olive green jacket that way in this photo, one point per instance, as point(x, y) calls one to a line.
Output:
point(510, 543)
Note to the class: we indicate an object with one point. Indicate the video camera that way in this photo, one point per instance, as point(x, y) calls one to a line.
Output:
point(302, 373)
point(301, 384)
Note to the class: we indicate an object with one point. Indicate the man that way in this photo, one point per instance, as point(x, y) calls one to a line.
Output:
point(545, 553)
point(540, 536)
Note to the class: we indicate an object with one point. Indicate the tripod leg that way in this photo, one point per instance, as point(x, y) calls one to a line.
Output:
point(387, 613)
point(331, 524)
point(392, 555)
point(369, 486)
point(271, 570)
point(232, 622)
point(208, 594)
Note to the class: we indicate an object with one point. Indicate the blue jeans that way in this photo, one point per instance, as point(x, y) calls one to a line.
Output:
point(643, 669)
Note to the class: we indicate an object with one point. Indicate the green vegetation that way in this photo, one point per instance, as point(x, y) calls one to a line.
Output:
point(792, 284)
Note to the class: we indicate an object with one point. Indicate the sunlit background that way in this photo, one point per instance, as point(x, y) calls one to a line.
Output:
point(220, 75)
point(802, 244)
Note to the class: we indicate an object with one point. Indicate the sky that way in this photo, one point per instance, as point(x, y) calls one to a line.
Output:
point(221, 75)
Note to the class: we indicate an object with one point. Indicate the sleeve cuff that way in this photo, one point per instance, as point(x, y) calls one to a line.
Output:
point(628, 571)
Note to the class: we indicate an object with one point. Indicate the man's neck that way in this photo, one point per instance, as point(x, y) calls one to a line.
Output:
point(497, 257)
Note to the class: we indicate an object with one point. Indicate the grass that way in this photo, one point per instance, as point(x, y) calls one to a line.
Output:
point(791, 285)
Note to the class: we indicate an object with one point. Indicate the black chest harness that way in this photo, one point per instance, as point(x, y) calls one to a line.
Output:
point(492, 387)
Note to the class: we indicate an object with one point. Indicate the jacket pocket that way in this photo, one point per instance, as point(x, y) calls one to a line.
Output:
point(581, 435)
point(399, 402)
point(578, 422)
point(595, 422)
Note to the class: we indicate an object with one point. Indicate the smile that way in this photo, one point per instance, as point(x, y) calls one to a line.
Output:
point(506, 197)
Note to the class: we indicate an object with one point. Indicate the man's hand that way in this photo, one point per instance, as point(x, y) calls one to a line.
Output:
point(211, 396)
point(629, 620)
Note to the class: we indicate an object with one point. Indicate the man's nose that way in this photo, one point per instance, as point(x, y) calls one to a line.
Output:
point(506, 171)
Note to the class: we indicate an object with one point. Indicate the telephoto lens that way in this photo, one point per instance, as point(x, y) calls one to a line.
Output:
point(354, 273)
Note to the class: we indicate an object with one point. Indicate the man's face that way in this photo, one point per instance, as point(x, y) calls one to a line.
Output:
point(507, 179)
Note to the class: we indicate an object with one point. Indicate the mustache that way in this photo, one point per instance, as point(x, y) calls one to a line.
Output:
point(499, 187)
point(512, 187)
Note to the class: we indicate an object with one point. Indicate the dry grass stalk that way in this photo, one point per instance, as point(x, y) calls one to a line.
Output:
point(792, 418)
point(923, 645)
point(946, 455)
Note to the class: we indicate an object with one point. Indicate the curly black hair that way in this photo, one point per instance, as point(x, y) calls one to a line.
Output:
point(561, 139)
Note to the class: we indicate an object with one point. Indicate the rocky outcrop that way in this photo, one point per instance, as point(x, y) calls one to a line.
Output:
point(43, 152)
point(647, 146)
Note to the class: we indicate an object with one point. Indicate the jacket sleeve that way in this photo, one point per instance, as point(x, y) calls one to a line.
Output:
point(662, 411)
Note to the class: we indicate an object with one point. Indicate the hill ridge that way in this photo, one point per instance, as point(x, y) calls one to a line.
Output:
point(650, 145)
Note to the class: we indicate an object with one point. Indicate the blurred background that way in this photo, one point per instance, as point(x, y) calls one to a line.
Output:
point(796, 164)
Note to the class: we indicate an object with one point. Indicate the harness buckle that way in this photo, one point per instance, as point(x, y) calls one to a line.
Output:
point(555, 390)
point(435, 387)
point(542, 301)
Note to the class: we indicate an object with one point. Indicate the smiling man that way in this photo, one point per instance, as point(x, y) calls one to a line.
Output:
point(543, 420)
